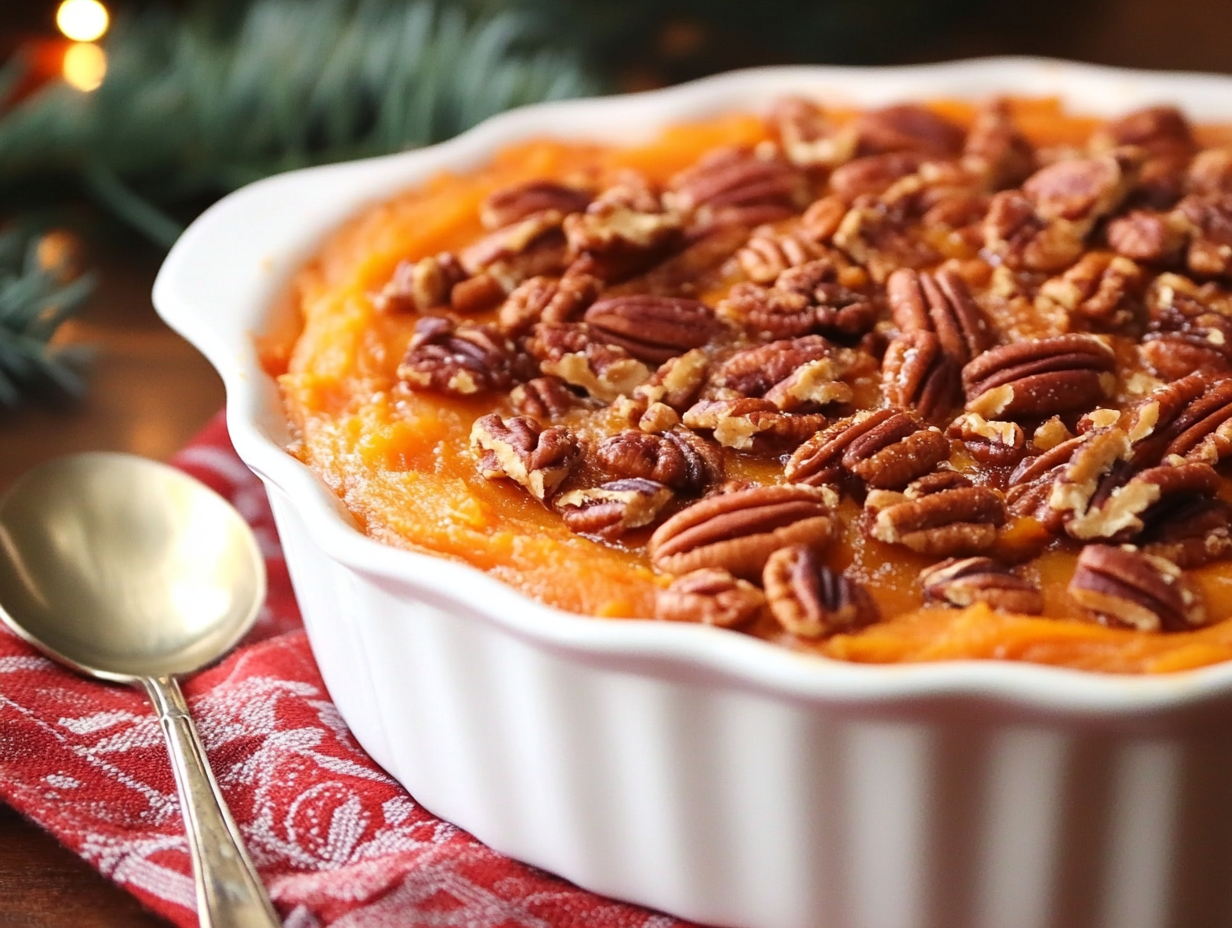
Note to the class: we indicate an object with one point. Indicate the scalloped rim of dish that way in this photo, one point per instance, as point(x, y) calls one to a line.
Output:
point(254, 413)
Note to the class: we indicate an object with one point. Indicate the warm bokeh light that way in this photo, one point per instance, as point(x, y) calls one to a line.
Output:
point(85, 65)
point(82, 20)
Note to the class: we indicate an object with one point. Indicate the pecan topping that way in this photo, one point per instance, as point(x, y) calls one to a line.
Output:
point(461, 359)
point(742, 422)
point(1040, 377)
point(612, 509)
point(810, 600)
point(542, 299)
point(967, 581)
point(738, 531)
point(753, 371)
point(677, 382)
point(1211, 172)
point(1192, 532)
point(1189, 328)
point(528, 247)
point(1124, 587)
point(543, 398)
point(1187, 420)
point(1120, 511)
point(885, 448)
point(878, 239)
point(811, 385)
point(568, 351)
point(523, 451)
point(937, 518)
point(1210, 233)
point(768, 253)
point(651, 328)
point(420, 285)
point(942, 304)
point(995, 150)
point(711, 596)
point(1146, 236)
point(917, 374)
point(805, 299)
point(808, 138)
point(508, 205)
point(1101, 290)
point(908, 127)
point(677, 458)
point(734, 184)
point(624, 230)
point(996, 443)
point(873, 175)
point(1063, 482)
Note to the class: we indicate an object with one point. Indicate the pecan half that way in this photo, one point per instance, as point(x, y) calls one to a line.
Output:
point(995, 150)
point(738, 185)
point(543, 398)
point(884, 447)
point(568, 351)
point(652, 328)
point(753, 371)
point(612, 509)
point(711, 596)
point(625, 229)
point(1040, 377)
point(523, 451)
point(420, 285)
point(917, 374)
point(990, 442)
point(511, 204)
point(810, 600)
point(811, 385)
point(838, 309)
point(1147, 236)
point(542, 299)
point(1124, 587)
point(1189, 328)
point(908, 127)
point(1190, 533)
point(738, 531)
point(967, 581)
point(768, 253)
point(677, 458)
point(807, 136)
point(940, 521)
point(1209, 220)
point(527, 248)
point(1101, 289)
point(880, 240)
point(745, 422)
point(1211, 172)
point(940, 303)
point(1120, 511)
point(461, 359)
point(872, 175)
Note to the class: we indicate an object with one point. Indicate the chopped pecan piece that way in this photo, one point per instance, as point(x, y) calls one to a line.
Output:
point(677, 381)
point(542, 299)
point(1189, 328)
point(543, 398)
point(944, 521)
point(1210, 233)
point(810, 386)
point(652, 328)
point(942, 304)
point(676, 458)
point(810, 600)
point(624, 230)
point(989, 442)
point(1190, 533)
point(658, 418)
point(808, 138)
point(612, 509)
point(752, 371)
point(523, 451)
point(1097, 461)
point(739, 185)
point(884, 447)
point(917, 374)
point(880, 240)
point(744, 422)
point(1040, 377)
point(1124, 587)
point(908, 127)
point(568, 351)
point(527, 248)
point(967, 581)
point(420, 285)
point(1050, 433)
point(508, 205)
point(1101, 289)
point(461, 359)
point(1147, 236)
point(995, 150)
point(711, 596)
point(1164, 136)
point(738, 531)
point(1121, 510)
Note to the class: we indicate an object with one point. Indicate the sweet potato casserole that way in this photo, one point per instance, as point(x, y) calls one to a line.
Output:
point(904, 384)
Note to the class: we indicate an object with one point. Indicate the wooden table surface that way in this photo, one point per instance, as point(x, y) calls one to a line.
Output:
point(150, 392)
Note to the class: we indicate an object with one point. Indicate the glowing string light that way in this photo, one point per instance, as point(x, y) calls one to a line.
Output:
point(82, 20)
point(85, 66)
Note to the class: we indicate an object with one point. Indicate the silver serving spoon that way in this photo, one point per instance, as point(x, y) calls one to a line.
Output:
point(133, 572)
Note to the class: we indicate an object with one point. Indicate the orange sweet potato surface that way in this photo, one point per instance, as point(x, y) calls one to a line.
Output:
point(400, 459)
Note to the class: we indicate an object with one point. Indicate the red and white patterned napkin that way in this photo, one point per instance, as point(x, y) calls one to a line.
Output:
point(336, 840)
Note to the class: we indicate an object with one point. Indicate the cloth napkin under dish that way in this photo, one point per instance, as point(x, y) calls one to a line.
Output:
point(336, 840)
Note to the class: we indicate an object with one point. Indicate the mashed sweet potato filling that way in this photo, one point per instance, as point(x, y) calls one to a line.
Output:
point(401, 459)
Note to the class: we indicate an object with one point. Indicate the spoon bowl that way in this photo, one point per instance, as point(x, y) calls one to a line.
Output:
point(133, 572)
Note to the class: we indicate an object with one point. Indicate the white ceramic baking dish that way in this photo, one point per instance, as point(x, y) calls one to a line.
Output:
point(694, 770)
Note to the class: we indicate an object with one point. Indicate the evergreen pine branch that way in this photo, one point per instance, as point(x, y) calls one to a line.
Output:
point(197, 104)
point(34, 301)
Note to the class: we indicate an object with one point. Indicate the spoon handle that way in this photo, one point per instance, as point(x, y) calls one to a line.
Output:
point(229, 892)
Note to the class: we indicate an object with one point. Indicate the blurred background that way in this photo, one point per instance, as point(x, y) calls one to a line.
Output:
point(120, 120)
